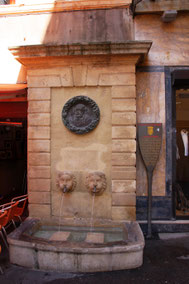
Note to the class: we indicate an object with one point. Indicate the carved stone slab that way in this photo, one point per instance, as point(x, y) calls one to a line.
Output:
point(150, 139)
point(80, 114)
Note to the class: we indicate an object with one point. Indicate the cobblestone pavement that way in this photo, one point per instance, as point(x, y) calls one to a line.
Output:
point(165, 261)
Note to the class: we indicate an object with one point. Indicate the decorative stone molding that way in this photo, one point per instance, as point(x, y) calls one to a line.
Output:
point(27, 54)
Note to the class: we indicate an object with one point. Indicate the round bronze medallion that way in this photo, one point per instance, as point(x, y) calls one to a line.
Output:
point(80, 114)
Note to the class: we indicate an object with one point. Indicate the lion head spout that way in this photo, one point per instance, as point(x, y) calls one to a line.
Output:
point(66, 181)
point(96, 182)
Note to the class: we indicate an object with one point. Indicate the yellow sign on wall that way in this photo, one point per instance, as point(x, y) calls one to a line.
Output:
point(150, 130)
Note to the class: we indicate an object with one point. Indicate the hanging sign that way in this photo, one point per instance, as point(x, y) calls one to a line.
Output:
point(150, 139)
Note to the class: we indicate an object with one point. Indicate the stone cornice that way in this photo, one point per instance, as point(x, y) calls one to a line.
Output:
point(34, 55)
point(61, 5)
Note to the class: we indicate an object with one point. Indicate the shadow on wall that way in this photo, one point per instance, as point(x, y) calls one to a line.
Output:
point(89, 26)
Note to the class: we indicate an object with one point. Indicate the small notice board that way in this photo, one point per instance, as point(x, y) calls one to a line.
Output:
point(150, 139)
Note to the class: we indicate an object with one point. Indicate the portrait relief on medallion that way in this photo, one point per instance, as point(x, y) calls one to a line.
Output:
point(80, 114)
point(66, 181)
point(96, 182)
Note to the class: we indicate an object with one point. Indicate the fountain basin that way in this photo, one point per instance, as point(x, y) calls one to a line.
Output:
point(76, 248)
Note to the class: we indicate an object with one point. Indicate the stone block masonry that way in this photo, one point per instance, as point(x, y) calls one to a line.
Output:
point(123, 150)
point(121, 80)
point(39, 157)
point(79, 68)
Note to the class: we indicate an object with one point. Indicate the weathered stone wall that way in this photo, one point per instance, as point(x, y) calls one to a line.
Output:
point(112, 86)
point(170, 40)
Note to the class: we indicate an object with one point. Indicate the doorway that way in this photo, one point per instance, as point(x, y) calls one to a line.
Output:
point(13, 144)
point(182, 152)
point(177, 129)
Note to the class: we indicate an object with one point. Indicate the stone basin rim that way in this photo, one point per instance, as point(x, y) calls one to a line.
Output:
point(16, 238)
point(99, 250)
point(53, 257)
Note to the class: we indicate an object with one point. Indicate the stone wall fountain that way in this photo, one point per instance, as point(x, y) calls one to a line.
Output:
point(77, 248)
point(73, 245)
point(81, 167)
